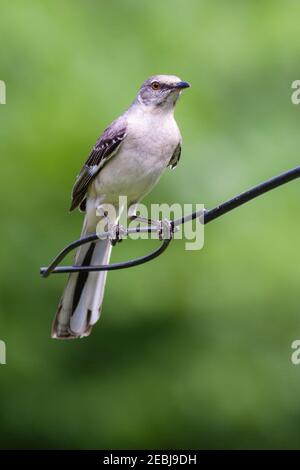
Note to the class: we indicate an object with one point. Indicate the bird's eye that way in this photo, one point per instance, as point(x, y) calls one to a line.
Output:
point(155, 86)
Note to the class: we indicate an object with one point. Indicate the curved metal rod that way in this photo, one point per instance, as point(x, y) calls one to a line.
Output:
point(45, 272)
point(205, 217)
point(218, 211)
point(53, 269)
point(252, 193)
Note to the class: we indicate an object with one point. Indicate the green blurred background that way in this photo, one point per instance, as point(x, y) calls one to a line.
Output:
point(193, 349)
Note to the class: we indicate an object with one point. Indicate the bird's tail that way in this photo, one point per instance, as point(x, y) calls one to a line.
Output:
point(80, 306)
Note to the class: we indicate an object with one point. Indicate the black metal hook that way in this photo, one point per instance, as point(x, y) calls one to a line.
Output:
point(205, 217)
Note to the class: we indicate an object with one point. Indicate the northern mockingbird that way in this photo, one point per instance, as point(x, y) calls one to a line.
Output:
point(128, 159)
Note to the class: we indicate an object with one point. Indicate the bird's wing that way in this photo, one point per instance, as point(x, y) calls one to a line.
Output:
point(175, 157)
point(104, 149)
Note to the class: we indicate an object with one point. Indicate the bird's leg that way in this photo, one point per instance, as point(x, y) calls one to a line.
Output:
point(164, 227)
point(115, 231)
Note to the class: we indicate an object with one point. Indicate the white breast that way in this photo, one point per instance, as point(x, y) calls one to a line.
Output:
point(151, 139)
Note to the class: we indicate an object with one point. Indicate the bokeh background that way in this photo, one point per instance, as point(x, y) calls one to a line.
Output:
point(193, 349)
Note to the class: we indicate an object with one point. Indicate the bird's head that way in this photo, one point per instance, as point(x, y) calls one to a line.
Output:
point(161, 91)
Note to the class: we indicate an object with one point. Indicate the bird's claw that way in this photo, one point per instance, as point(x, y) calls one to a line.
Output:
point(165, 229)
point(116, 232)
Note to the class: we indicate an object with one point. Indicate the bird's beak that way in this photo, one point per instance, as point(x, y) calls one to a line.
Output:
point(182, 85)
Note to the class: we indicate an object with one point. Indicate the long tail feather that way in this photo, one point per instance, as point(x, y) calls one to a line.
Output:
point(80, 306)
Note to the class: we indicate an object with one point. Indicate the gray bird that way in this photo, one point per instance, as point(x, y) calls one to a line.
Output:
point(128, 159)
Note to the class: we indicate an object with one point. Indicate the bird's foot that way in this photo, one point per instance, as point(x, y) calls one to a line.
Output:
point(116, 232)
point(165, 229)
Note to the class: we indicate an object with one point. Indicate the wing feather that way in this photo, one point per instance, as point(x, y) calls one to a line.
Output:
point(175, 157)
point(104, 149)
